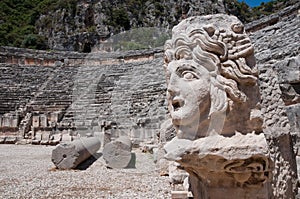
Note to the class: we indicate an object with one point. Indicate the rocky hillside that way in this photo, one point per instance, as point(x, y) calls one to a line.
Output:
point(91, 21)
point(74, 25)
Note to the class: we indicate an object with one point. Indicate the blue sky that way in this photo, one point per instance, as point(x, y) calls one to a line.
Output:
point(253, 3)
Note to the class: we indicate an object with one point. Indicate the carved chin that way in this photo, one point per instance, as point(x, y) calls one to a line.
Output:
point(183, 117)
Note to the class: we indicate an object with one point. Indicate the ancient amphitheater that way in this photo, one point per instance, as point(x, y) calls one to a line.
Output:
point(49, 96)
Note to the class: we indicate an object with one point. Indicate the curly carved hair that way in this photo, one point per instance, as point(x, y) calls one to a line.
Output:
point(222, 47)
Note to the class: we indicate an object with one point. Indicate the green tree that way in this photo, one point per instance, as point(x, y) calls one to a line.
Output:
point(120, 18)
point(34, 41)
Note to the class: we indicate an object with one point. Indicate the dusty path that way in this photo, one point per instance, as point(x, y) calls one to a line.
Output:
point(26, 171)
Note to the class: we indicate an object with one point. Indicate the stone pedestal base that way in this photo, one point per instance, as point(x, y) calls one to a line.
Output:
point(225, 167)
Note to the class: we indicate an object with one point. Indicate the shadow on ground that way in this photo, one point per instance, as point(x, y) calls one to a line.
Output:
point(88, 162)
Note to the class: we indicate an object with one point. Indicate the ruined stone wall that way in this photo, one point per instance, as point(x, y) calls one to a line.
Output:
point(75, 93)
point(277, 53)
point(126, 98)
point(277, 50)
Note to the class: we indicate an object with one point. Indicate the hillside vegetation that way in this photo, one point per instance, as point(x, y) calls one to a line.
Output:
point(18, 18)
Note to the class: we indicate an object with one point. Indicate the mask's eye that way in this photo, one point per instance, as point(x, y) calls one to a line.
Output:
point(189, 75)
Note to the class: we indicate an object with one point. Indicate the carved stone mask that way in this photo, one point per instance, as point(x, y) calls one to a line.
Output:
point(209, 62)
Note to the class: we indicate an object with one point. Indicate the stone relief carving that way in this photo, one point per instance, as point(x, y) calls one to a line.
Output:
point(211, 74)
point(213, 97)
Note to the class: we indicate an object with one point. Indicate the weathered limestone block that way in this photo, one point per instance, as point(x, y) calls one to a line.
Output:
point(55, 139)
point(181, 195)
point(214, 104)
point(117, 154)
point(37, 138)
point(278, 130)
point(15, 121)
point(11, 140)
point(45, 138)
point(176, 174)
point(65, 137)
point(9, 120)
point(69, 155)
point(2, 139)
point(43, 120)
point(6, 121)
point(236, 165)
point(288, 70)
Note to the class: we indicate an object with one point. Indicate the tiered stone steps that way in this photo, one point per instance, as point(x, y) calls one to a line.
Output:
point(18, 85)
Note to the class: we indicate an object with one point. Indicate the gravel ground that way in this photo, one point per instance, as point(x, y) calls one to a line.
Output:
point(26, 171)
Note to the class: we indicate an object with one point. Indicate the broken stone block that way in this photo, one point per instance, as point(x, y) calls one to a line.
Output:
point(69, 155)
point(231, 163)
point(15, 121)
point(11, 140)
point(28, 141)
point(22, 142)
point(2, 139)
point(37, 138)
point(176, 173)
point(45, 138)
point(43, 120)
point(55, 139)
point(66, 138)
point(166, 131)
point(117, 154)
point(6, 121)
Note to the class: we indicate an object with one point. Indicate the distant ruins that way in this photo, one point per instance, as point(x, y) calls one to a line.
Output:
point(47, 97)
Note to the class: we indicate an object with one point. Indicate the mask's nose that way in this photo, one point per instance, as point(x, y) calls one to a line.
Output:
point(172, 88)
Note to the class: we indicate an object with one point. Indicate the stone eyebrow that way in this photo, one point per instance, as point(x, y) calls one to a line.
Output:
point(184, 66)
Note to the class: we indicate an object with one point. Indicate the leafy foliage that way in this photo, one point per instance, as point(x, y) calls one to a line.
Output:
point(18, 18)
